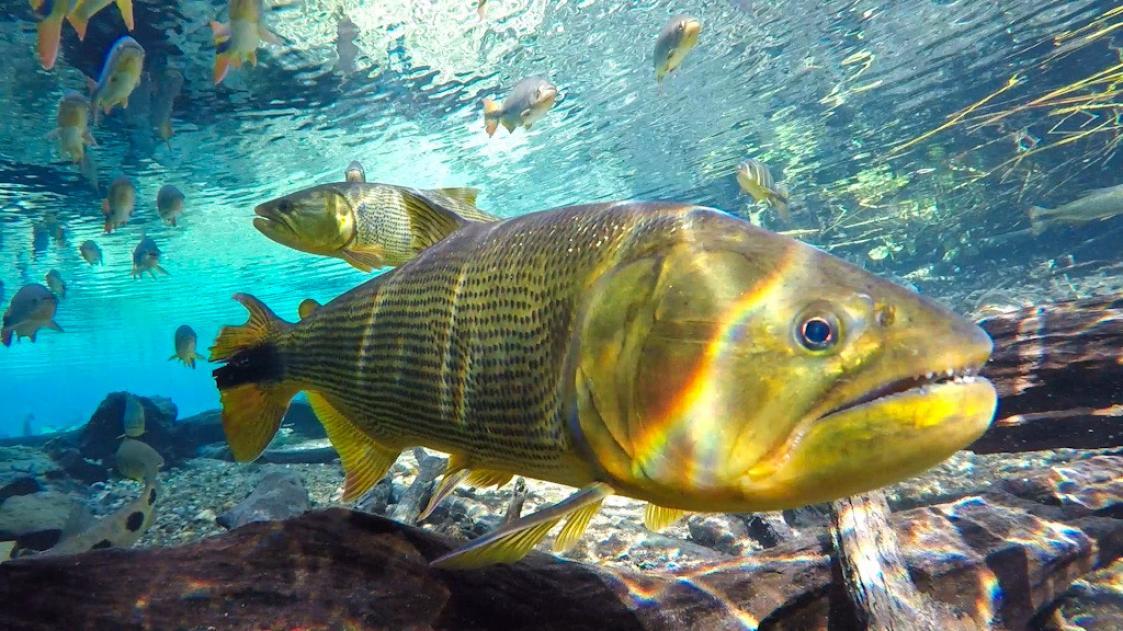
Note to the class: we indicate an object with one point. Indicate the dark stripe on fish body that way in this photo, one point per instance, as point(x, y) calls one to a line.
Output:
point(466, 344)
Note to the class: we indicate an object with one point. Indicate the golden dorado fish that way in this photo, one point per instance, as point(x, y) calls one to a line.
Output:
point(367, 224)
point(666, 352)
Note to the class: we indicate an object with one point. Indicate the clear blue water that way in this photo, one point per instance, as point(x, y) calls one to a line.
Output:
point(820, 91)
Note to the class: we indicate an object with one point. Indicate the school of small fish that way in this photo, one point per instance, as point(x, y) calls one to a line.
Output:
point(619, 348)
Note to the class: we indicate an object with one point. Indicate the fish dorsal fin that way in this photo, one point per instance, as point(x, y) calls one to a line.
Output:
point(575, 526)
point(429, 221)
point(455, 471)
point(515, 540)
point(488, 477)
point(657, 517)
point(364, 459)
point(463, 194)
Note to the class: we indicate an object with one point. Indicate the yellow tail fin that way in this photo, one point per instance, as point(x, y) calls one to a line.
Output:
point(252, 385)
point(492, 111)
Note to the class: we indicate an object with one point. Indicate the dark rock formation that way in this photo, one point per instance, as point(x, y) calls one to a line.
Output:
point(202, 429)
point(100, 437)
point(1059, 377)
point(21, 469)
point(279, 495)
point(992, 559)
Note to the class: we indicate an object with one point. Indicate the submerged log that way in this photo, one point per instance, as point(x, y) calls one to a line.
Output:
point(995, 559)
point(1058, 369)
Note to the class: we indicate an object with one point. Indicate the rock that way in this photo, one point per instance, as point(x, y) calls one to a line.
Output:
point(100, 437)
point(279, 495)
point(21, 469)
point(1094, 602)
point(39, 520)
point(996, 558)
point(1057, 373)
point(303, 421)
point(378, 498)
point(768, 529)
point(301, 454)
point(724, 533)
point(200, 430)
point(216, 451)
point(417, 495)
point(206, 515)
point(1094, 486)
point(79, 468)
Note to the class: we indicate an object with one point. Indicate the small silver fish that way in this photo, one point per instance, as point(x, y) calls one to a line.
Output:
point(119, 76)
point(345, 48)
point(677, 38)
point(137, 460)
point(169, 203)
point(185, 343)
point(146, 258)
point(529, 101)
point(119, 203)
point(132, 417)
point(32, 308)
point(1100, 203)
point(90, 252)
point(756, 180)
point(56, 284)
point(355, 172)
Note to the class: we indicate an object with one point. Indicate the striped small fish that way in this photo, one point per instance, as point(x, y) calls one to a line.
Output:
point(666, 352)
point(756, 180)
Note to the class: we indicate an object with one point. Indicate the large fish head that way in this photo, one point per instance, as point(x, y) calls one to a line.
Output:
point(319, 220)
point(733, 369)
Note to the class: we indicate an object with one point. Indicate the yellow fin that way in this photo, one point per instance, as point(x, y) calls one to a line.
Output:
point(659, 517)
point(251, 415)
point(429, 222)
point(362, 261)
point(262, 325)
point(575, 526)
point(488, 477)
point(364, 460)
point(514, 540)
point(463, 194)
point(455, 471)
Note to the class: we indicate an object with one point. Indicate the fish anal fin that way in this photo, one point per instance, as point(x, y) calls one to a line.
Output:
point(251, 415)
point(364, 459)
point(488, 477)
point(515, 540)
point(362, 261)
point(657, 517)
point(575, 526)
point(429, 222)
point(455, 472)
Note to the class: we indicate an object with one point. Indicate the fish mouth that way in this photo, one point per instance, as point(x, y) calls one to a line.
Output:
point(269, 220)
point(916, 385)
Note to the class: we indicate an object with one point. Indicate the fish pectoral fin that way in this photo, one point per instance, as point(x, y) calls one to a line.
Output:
point(174, 356)
point(513, 541)
point(362, 261)
point(488, 477)
point(463, 194)
point(429, 222)
point(267, 36)
point(220, 31)
point(509, 124)
point(364, 459)
point(657, 517)
point(575, 526)
point(53, 134)
point(455, 472)
point(52, 325)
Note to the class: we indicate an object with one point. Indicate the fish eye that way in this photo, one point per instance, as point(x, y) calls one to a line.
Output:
point(284, 206)
point(680, 26)
point(817, 330)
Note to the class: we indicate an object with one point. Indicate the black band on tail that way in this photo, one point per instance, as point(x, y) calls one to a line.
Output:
point(259, 364)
